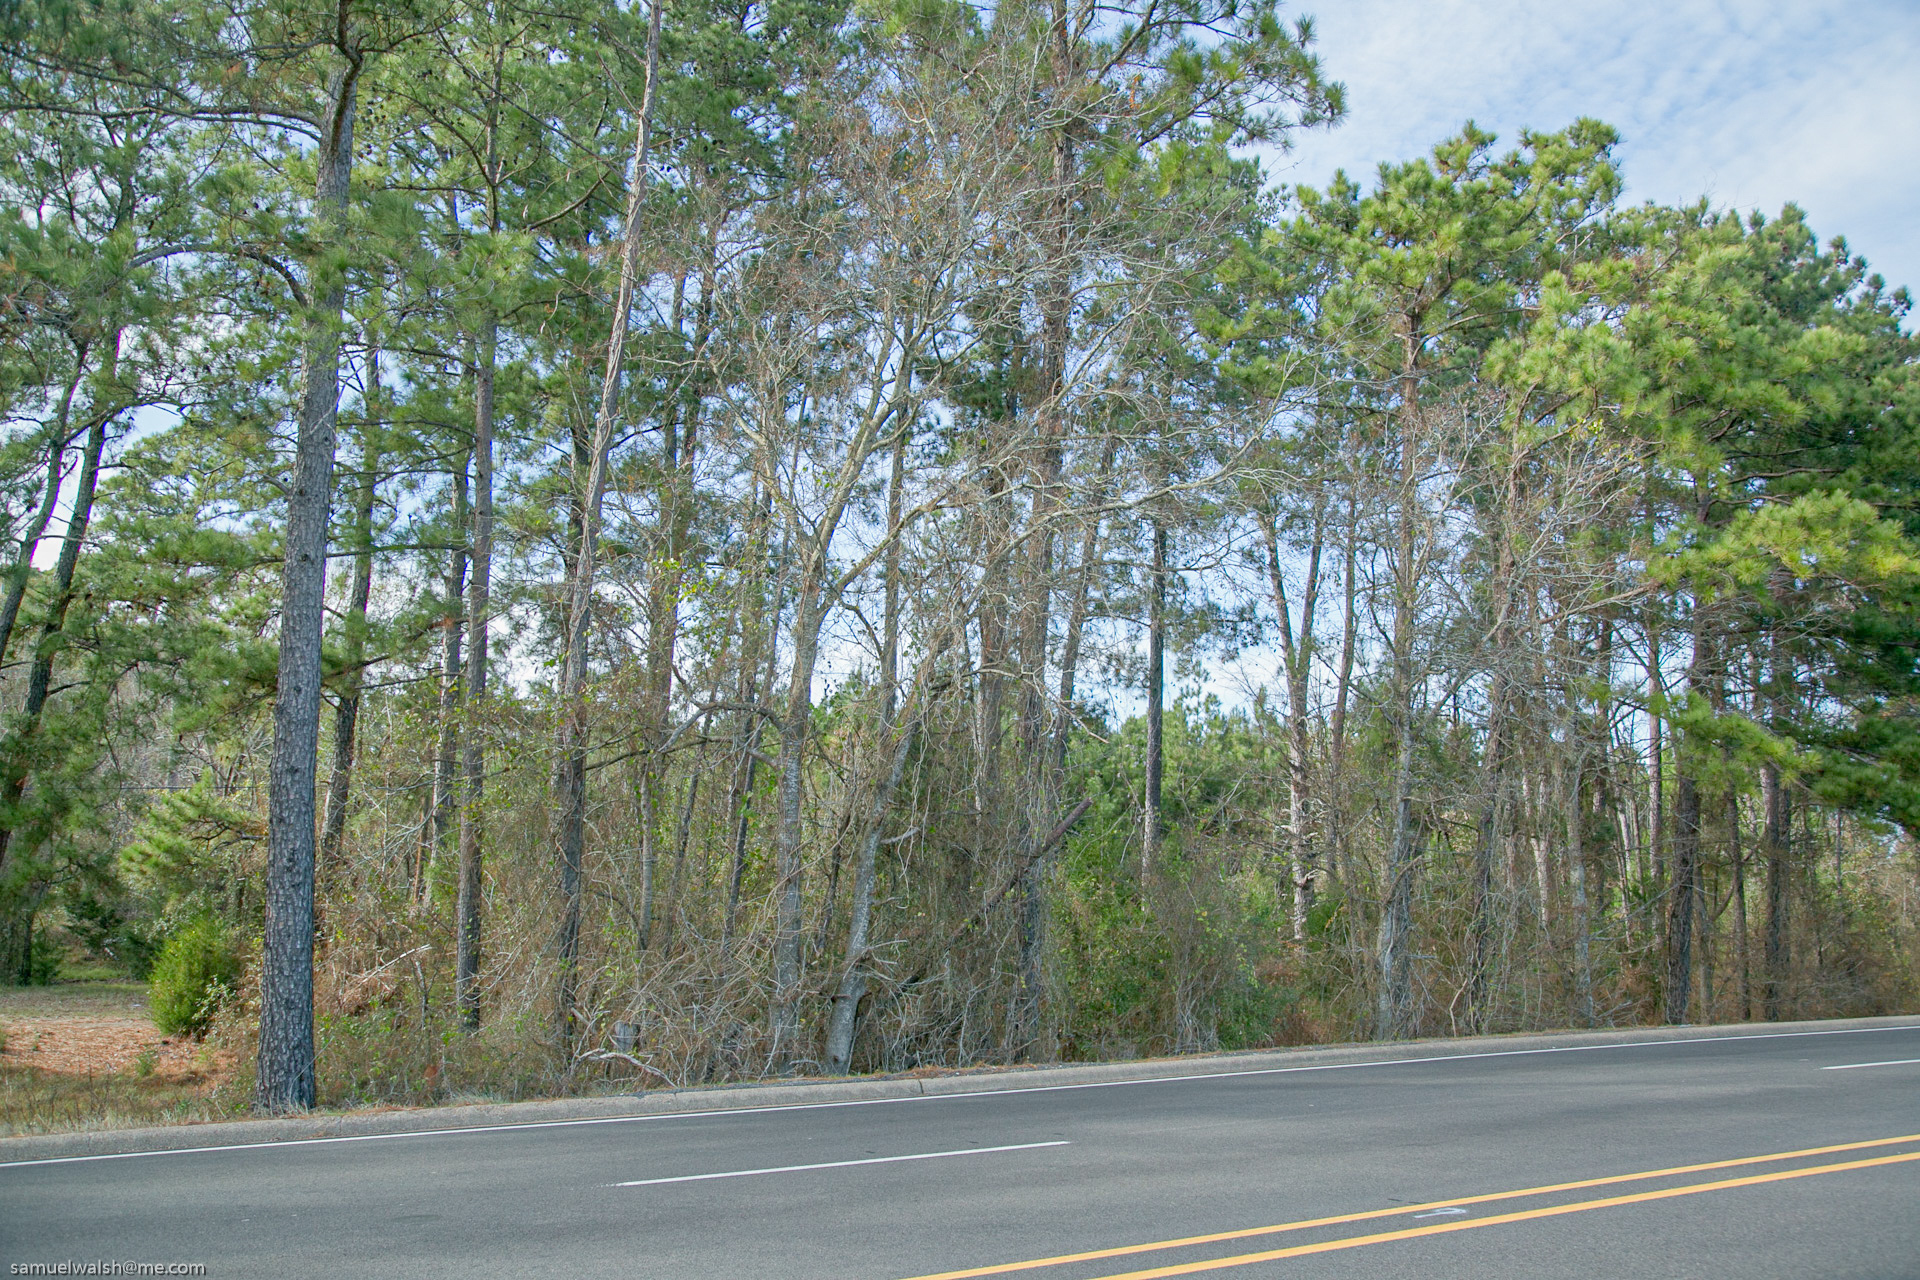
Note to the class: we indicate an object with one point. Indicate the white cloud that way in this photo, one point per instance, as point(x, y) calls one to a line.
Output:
point(1751, 104)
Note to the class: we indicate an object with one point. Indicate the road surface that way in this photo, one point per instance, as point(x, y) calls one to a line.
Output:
point(1793, 1155)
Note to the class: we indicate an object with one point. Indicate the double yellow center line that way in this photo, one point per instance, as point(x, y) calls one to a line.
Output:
point(1462, 1224)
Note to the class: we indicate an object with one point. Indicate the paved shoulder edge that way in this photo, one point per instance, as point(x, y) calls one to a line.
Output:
point(750, 1097)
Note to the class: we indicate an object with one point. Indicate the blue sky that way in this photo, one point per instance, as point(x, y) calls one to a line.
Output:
point(1750, 104)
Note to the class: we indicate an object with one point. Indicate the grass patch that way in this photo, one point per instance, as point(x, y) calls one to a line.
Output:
point(74, 999)
point(92, 971)
point(36, 1101)
point(83, 1056)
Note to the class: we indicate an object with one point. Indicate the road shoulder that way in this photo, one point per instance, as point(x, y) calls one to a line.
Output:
point(792, 1093)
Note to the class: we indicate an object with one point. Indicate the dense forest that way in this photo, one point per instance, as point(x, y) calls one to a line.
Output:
point(689, 542)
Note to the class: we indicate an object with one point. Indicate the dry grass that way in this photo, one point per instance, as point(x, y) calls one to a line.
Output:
point(85, 1056)
point(37, 1101)
point(127, 999)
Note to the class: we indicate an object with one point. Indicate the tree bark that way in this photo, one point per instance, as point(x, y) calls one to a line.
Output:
point(1090, 553)
point(17, 755)
point(679, 440)
point(1394, 1015)
point(1496, 805)
point(1738, 857)
point(1684, 878)
point(453, 626)
point(789, 853)
point(284, 1078)
point(1342, 692)
point(18, 749)
point(1577, 872)
point(346, 712)
point(1151, 825)
point(22, 572)
point(1296, 657)
point(570, 767)
point(755, 652)
point(1683, 886)
point(468, 900)
point(1778, 839)
point(1039, 803)
point(853, 972)
point(1656, 760)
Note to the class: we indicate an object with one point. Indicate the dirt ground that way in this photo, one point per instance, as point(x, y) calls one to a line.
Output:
point(96, 1029)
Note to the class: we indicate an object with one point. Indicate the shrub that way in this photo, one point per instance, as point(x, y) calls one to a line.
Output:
point(43, 961)
point(195, 971)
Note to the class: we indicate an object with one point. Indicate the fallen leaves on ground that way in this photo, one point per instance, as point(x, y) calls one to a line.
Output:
point(69, 1034)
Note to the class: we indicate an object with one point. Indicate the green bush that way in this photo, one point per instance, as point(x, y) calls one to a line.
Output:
point(196, 970)
point(43, 961)
point(1325, 919)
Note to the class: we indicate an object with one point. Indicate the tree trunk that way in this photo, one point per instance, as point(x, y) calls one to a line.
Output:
point(469, 899)
point(1040, 802)
point(1090, 554)
point(17, 758)
point(644, 811)
point(22, 572)
point(1156, 693)
point(682, 837)
point(1706, 894)
point(1495, 806)
point(284, 1078)
point(446, 779)
point(1037, 800)
point(789, 853)
point(1704, 677)
point(346, 713)
point(1296, 657)
point(1614, 819)
point(755, 651)
point(853, 972)
point(1683, 885)
point(468, 902)
point(1778, 838)
point(1394, 1015)
point(1494, 818)
point(1577, 872)
point(1656, 760)
point(1342, 692)
point(1738, 857)
point(674, 497)
point(1298, 833)
point(19, 746)
point(570, 767)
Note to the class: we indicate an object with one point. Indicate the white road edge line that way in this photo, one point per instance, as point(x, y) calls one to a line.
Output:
point(1855, 1066)
point(840, 1164)
point(939, 1097)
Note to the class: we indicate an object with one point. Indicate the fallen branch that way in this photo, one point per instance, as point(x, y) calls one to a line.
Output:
point(613, 1055)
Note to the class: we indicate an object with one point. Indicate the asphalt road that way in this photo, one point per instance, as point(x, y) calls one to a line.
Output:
point(1817, 1175)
